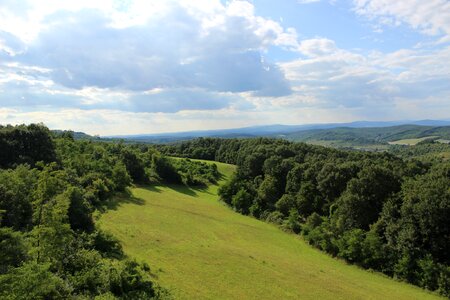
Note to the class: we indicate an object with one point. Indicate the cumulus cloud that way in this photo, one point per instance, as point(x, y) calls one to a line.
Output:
point(431, 17)
point(218, 51)
point(317, 47)
point(341, 78)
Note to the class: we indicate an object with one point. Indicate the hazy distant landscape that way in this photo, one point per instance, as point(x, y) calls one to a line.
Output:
point(358, 135)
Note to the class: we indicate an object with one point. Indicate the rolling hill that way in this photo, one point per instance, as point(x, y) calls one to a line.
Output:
point(201, 249)
point(371, 135)
point(354, 133)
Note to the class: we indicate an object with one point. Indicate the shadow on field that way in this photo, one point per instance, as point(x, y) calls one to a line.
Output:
point(150, 188)
point(191, 191)
point(221, 177)
point(118, 200)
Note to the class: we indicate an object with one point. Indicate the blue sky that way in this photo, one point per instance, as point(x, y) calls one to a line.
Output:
point(127, 67)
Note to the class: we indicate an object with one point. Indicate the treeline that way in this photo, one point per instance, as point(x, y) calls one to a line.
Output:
point(50, 188)
point(427, 150)
point(374, 210)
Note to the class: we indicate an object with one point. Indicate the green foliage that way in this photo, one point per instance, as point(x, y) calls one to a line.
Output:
point(204, 250)
point(286, 203)
point(134, 164)
point(25, 145)
point(79, 211)
point(269, 192)
point(33, 281)
point(361, 203)
point(49, 245)
point(370, 135)
point(131, 280)
point(120, 177)
point(376, 210)
point(242, 201)
point(350, 245)
point(12, 249)
point(106, 244)
point(165, 170)
point(293, 221)
point(195, 173)
point(16, 187)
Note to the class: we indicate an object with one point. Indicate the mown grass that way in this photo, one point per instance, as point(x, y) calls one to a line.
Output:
point(200, 249)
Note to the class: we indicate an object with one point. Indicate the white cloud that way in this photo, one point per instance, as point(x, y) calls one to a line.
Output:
point(317, 47)
point(431, 17)
point(204, 52)
point(376, 81)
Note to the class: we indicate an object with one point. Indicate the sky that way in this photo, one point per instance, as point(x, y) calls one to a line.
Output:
point(111, 67)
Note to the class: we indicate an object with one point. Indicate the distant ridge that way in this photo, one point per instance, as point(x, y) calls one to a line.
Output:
point(276, 130)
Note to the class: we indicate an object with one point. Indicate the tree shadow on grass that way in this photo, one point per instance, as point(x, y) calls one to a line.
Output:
point(191, 191)
point(221, 177)
point(151, 188)
point(115, 202)
point(183, 189)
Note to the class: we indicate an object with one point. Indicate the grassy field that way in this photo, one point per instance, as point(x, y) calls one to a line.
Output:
point(200, 249)
point(411, 142)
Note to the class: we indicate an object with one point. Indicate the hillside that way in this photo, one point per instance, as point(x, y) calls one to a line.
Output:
point(370, 135)
point(201, 249)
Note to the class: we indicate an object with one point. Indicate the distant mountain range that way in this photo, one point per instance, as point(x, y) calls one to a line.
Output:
point(338, 131)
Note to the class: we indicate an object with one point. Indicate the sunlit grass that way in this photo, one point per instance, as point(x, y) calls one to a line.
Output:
point(201, 249)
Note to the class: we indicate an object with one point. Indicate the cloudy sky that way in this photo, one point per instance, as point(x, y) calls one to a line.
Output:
point(146, 66)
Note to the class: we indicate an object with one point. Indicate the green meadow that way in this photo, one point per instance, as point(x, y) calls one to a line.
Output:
point(411, 142)
point(198, 248)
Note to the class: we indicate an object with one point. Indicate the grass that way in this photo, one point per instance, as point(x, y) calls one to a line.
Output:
point(200, 249)
point(411, 142)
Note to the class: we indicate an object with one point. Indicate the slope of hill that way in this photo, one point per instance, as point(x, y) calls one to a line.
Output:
point(268, 130)
point(372, 135)
point(203, 250)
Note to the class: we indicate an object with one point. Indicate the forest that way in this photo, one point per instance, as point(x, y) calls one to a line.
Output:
point(386, 212)
point(52, 187)
point(382, 211)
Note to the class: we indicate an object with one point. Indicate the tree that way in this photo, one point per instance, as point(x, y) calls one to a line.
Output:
point(424, 216)
point(53, 235)
point(134, 164)
point(293, 221)
point(361, 203)
point(33, 281)
point(269, 191)
point(120, 177)
point(13, 251)
point(79, 211)
point(26, 144)
point(15, 196)
point(286, 203)
point(242, 201)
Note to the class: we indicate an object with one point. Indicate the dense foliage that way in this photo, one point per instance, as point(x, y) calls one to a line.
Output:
point(370, 135)
point(376, 210)
point(428, 150)
point(25, 144)
point(50, 188)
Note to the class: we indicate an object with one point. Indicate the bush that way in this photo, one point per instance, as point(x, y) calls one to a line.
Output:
point(12, 249)
point(33, 281)
point(242, 201)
